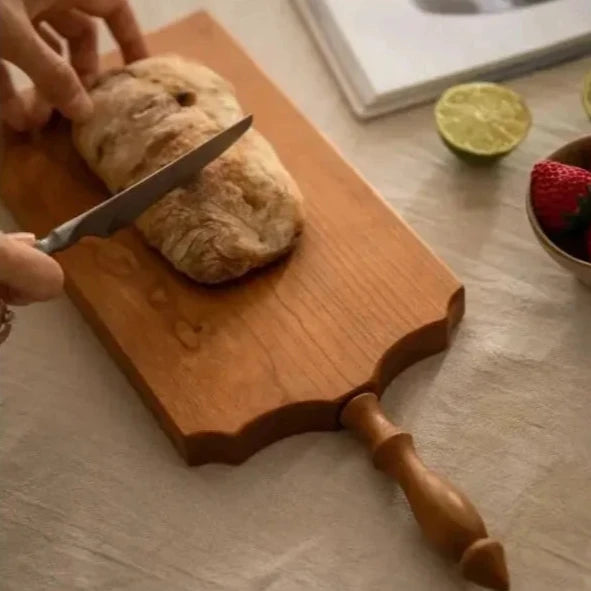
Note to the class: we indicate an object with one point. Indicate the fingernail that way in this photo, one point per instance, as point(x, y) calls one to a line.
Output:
point(27, 237)
point(80, 107)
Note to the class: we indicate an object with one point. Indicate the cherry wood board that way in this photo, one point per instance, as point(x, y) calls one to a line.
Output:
point(228, 370)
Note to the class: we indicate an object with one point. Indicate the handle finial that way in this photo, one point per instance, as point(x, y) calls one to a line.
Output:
point(446, 516)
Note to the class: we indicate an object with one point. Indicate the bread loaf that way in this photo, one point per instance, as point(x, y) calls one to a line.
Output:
point(243, 211)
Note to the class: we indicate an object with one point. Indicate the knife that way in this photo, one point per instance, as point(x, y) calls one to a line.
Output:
point(121, 209)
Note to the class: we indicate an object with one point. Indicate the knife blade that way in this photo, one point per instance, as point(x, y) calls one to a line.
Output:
point(121, 209)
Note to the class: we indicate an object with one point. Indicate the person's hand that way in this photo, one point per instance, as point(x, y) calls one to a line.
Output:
point(30, 38)
point(26, 274)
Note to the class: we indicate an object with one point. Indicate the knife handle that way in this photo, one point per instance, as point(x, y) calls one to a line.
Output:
point(446, 516)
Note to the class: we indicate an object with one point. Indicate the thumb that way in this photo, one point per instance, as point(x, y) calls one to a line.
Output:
point(53, 76)
point(27, 274)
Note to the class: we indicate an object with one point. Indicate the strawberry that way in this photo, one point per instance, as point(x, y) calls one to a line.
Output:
point(561, 196)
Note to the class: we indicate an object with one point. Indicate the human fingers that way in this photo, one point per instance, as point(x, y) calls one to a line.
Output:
point(55, 79)
point(7, 294)
point(80, 31)
point(25, 237)
point(26, 274)
point(38, 107)
point(12, 106)
point(122, 24)
point(24, 111)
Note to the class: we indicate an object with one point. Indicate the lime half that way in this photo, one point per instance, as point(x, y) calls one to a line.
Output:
point(587, 94)
point(482, 121)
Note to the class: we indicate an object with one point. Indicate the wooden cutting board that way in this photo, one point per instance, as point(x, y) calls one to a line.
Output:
point(229, 370)
point(308, 344)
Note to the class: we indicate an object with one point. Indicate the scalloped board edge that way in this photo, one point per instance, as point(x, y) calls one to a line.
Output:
point(334, 326)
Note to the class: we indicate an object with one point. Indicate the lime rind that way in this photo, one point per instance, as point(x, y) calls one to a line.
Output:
point(482, 120)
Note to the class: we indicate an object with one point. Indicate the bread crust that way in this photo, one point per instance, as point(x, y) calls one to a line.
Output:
point(242, 212)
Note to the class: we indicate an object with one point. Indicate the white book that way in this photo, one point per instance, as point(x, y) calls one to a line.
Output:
point(391, 54)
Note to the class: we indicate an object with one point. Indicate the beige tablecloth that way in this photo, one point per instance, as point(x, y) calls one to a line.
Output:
point(95, 497)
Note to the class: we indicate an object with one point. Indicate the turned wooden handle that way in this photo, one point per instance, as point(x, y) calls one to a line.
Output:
point(446, 516)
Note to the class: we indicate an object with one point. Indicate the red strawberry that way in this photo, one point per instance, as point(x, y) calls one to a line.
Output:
point(561, 195)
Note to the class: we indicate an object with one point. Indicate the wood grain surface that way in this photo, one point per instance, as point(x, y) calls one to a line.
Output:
point(231, 369)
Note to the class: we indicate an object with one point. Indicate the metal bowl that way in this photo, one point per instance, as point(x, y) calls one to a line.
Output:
point(577, 153)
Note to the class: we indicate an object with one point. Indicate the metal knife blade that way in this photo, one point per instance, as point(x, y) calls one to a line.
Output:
point(121, 209)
